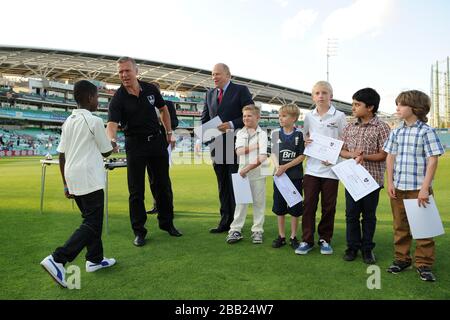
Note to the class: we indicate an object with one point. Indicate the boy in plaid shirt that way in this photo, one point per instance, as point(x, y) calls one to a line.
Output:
point(413, 150)
point(363, 141)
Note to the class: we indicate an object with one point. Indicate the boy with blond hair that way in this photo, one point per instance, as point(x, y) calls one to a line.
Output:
point(326, 120)
point(413, 150)
point(287, 155)
point(251, 148)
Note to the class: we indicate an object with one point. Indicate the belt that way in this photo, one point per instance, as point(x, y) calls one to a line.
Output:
point(149, 137)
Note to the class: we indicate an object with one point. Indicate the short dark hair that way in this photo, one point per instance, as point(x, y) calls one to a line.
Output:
point(419, 102)
point(83, 90)
point(369, 96)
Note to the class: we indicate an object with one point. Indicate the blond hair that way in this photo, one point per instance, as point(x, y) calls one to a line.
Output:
point(291, 109)
point(324, 84)
point(419, 102)
point(252, 108)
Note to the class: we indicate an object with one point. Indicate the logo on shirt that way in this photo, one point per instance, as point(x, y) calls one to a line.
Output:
point(151, 99)
point(332, 125)
point(287, 155)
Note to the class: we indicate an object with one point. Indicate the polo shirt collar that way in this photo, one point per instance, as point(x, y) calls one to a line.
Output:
point(81, 111)
point(330, 111)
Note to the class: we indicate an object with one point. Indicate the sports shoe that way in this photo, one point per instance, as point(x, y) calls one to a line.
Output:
point(368, 257)
point(325, 247)
point(350, 254)
point(303, 248)
point(55, 270)
point(107, 262)
point(234, 236)
point(426, 274)
point(278, 242)
point(257, 237)
point(398, 266)
point(293, 242)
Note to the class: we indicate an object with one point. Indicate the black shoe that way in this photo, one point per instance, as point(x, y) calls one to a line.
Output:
point(350, 254)
point(398, 266)
point(219, 230)
point(368, 257)
point(154, 210)
point(293, 242)
point(278, 242)
point(172, 231)
point(139, 241)
point(426, 274)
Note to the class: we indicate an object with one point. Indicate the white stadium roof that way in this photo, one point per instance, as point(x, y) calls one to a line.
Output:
point(64, 65)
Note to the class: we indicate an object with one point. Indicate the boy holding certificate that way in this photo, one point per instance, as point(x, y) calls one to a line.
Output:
point(81, 150)
point(319, 179)
point(363, 141)
point(413, 150)
point(251, 148)
point(287, 154)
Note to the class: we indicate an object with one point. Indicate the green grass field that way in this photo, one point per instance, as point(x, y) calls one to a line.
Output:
point(198, 265)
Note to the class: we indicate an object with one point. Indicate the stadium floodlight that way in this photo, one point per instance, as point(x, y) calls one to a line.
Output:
point(332, 46)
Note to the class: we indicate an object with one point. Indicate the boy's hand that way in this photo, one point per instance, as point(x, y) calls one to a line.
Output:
point(359, 159)
point(308, 141)
point(326, 163)
point(391, 191)
point(281, 169)
point(423, 198)
point(67, 194)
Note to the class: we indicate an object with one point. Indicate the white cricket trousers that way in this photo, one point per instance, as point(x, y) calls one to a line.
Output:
point(258, 188)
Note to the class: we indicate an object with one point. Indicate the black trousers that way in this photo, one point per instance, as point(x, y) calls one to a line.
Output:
point(88, 234)
point(151, 153)
point(226, 194)
point(367, 206)
point(153, 189)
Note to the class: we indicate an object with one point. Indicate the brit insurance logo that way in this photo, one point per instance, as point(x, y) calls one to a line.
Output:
point(151, 99)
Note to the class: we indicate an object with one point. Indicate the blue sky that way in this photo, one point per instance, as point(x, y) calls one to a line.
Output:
point(386, 44)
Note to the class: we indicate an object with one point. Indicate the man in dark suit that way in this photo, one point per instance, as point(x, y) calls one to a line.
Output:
point(226, 100)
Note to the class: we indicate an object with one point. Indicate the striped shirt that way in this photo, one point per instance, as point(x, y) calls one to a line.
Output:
point(412, 145)
point(368, 138)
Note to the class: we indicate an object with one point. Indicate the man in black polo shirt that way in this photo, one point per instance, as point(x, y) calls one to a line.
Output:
point(133, 107)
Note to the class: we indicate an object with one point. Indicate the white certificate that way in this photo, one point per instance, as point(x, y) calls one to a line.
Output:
point(241, 189)
point(208, 130)
point(424, 222)
point(324, 148)
point(287, 190)
point(356, 179)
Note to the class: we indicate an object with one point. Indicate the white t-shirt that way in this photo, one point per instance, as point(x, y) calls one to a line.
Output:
point(83, 140)
point(332, 125)
point(245, 139)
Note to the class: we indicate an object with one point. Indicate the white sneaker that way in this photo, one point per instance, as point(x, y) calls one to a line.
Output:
point(55, 270)
point(107, 262)
point(257, 237)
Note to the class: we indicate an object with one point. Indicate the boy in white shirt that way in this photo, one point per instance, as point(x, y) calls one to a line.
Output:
point(81, 150)
point(326, 120)
point(251, 148)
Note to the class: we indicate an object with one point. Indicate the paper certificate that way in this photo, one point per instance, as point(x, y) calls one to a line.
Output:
point(324, 148)
point(356, 179)
point(424, 222)
point(241, 189)
point(207, 131)
point(287, 190)
point(169, 151)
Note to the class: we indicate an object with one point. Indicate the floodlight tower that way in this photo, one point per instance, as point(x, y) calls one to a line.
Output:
point(332, 46)
point(436, 121)
point(447, 95)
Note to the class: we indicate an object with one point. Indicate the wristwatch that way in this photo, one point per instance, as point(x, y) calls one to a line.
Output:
point(169, 132)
